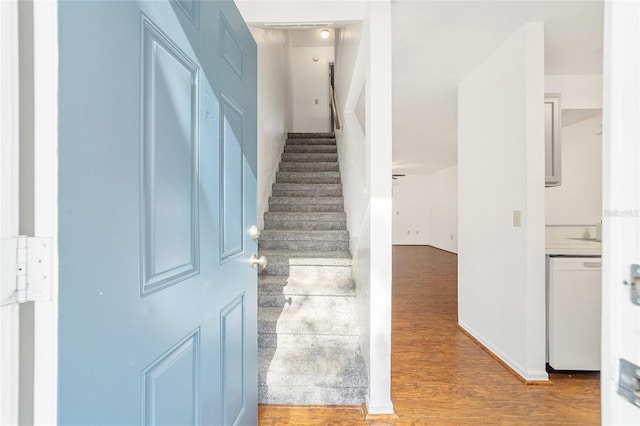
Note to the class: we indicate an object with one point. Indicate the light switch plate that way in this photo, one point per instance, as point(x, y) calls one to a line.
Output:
point(517, 218)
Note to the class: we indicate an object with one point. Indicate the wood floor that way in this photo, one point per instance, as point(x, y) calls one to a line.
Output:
point(440, 376)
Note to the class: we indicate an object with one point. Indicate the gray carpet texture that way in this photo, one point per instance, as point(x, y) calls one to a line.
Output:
point(308, 327)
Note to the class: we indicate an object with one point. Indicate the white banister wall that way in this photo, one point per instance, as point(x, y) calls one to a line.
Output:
point(364, 58)
point(274, 108)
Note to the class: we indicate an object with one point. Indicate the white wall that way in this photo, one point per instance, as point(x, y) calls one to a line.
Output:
point(364, 60)
point(578, 91)
point(578, 201)
point(442, 225)
point(274, 108)
point(425, 210)
point(501, 270)
point(411, 200)
point(286, 11)
point(310, 82)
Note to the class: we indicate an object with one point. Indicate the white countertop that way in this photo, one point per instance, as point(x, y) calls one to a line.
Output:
point(572, 241)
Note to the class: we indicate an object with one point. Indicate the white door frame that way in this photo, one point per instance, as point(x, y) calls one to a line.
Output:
point(9, 201)
point(45, 27)
point(621, 203)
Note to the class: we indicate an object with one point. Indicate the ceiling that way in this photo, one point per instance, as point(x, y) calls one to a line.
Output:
point(436, 44)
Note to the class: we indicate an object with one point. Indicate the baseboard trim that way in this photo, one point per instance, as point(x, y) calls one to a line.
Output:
point(377, 417)
point(504, 364)
point(425, 245)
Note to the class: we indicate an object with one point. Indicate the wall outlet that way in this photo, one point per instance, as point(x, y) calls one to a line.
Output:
point(316, 102)
point(517, 218)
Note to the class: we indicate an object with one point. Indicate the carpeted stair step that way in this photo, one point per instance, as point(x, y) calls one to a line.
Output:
point(306, 190)
point(310, 141)
point(298, 148)
point(277, 239)
point(306, 204)
point(308, 166)
point(302, 135)
point(311, 395)
point(309, 341)
point(324, 282)
point(310, 315)
point(286, 262)
point(314, 221)
point(293, 367)
point(276, 290)
point(309, 157)
point(308, 177)
point(308, 325)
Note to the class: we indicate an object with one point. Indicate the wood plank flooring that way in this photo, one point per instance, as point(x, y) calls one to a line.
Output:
point(440, 376)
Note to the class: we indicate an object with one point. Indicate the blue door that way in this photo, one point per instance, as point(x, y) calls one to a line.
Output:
point(157, 192)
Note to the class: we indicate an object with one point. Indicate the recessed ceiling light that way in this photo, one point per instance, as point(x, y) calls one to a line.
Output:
point(324, 33)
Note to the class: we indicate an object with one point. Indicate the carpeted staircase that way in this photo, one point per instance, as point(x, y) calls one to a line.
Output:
point(309, 351)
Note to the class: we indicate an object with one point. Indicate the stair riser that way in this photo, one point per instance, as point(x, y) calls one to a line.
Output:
point(309, 167)
point(287, 235)
point(306, 217)
point(284, 235)
point(306, 226)
point(304, 245)
point(292, 176)
point(321, 285)
point(307, 193)
point(272, 301)
point(315, 149)
point(286, 395)
point(306, 135)
point(279, 266)
point(306, 208)
point(309, 180)
point(305, 157)
point(310, 141)
point(308, 341)
point(306, 186)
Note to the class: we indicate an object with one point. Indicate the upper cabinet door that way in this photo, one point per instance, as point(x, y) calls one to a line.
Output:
point(552, 126)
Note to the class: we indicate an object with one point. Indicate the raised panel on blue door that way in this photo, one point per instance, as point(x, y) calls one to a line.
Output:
point(169, 246)
point(170, 385)
point(232, 206)
point(230, 49)
point(191, 8)
point(233, 356)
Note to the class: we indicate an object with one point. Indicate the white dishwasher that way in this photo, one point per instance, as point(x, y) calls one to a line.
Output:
point(574, 324)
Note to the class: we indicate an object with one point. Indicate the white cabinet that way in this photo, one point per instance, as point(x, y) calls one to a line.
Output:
point(574, 312)
point(552, 132)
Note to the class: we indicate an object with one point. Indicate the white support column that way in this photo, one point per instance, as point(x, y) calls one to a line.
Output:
point(379, 177)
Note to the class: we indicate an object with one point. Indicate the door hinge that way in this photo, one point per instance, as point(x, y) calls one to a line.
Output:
point(635, 291)
point(25, 269)
point(629, 382)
